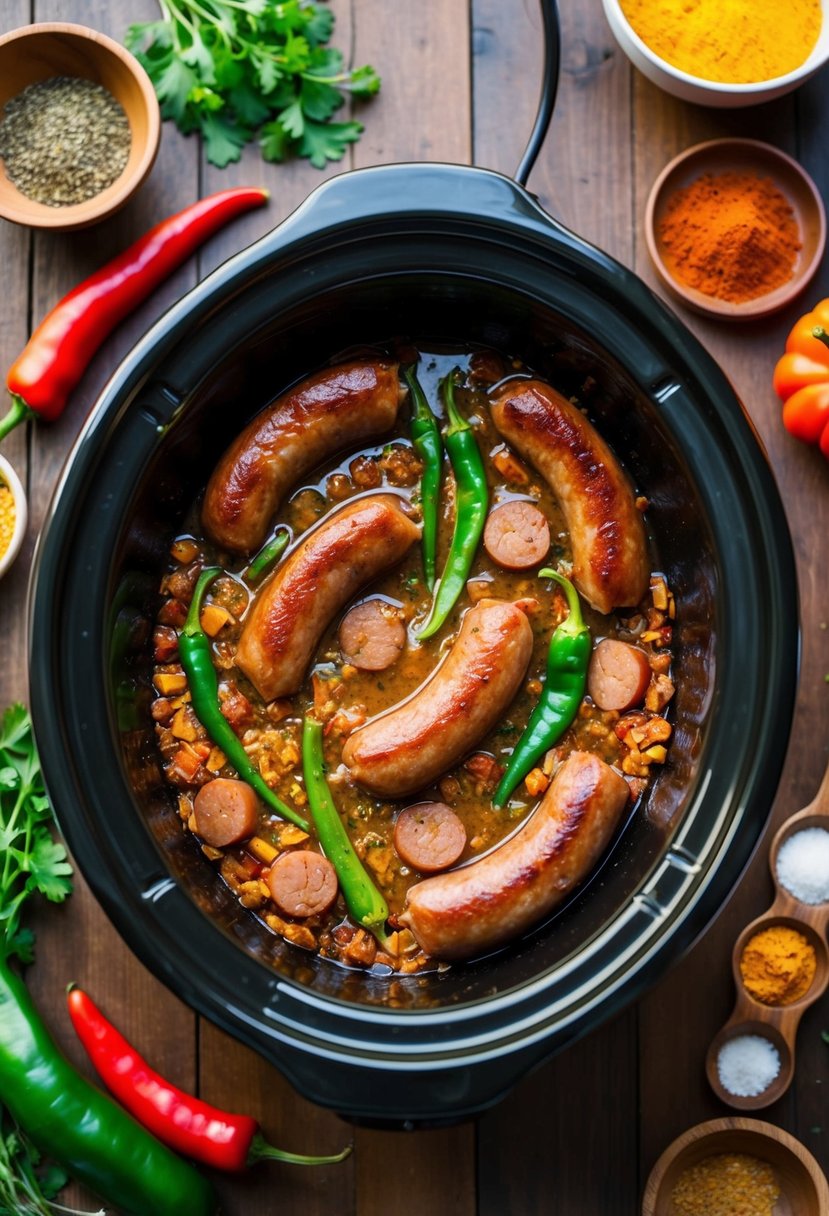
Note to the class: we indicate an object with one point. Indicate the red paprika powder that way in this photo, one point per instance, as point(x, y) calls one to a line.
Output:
point(730, 235)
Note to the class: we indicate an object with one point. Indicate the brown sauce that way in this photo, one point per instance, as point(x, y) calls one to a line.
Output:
point(344, 696)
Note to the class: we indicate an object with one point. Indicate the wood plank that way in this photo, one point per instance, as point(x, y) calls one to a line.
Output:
point(678, 1029)
point(236, 1078)
point(78, 940)
point(560, 1116)
point(564, 1141)
point(289, 183)
point(15, 253)
point(423, 114)
point(414, 1173)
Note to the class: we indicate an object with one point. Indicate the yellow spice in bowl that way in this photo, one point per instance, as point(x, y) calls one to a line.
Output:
point(8, 518)
point(728, 41)
point(729, 1184)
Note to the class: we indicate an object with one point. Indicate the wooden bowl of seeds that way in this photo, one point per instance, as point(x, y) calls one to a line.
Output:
point(79, 126)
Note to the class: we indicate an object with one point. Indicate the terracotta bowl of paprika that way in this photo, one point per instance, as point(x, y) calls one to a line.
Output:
point(735, 228)
point(122, 124)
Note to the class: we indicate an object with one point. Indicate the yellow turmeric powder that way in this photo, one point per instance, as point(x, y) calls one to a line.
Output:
point(729, 41)
point(778, 965)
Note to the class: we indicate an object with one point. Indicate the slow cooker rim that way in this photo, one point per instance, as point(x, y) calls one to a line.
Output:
point(133, 368)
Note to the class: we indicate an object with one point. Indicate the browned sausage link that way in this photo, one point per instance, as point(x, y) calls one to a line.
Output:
point(618, 675)
point(610, 559)
point(429, 837)
point(472, 910)
point(226, 812)
point(352, 545)
point(372, 635)
point(406, 747)
point(517, 535)
point(302, 883)
point(330, 410)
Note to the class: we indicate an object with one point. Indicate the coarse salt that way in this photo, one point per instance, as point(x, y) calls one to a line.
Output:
point(803, 865)
point(747, 1065)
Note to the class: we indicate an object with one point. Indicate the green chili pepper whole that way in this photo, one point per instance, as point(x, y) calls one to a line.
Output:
point(267, 555)
point(427, 442)
point(567, 661)
point(197, 661)
point(71, 1121)
point(471, 502)
point(363, 900)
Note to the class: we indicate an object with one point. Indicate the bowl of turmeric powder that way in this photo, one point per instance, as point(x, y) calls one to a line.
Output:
point(723, 53)
point(13, 515)
point(735, 228)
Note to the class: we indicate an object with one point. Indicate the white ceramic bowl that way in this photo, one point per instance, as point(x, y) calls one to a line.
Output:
point(9, 477)
point(711, 92)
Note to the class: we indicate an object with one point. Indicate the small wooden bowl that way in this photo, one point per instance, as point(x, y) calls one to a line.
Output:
point(38, 52)
point(803, 1187)
point(9, 478)
point(761, 160)
point(778, 1023)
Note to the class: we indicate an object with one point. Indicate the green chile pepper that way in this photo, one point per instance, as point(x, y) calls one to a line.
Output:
point(363, 900)
point(267, 556)
point(426, 439)
point(197, 661)
point(567, 661)
point(471, 502)
point(80, 1127)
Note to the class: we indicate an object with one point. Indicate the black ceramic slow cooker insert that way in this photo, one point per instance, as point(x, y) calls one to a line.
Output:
point(459, 257)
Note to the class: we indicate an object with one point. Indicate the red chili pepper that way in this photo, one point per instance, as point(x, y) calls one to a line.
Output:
point(183, 1122)
point(59, 351)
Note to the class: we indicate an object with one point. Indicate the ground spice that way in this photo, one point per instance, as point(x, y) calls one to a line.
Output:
point(778, 965)
point(803, 865)
point(8, 518)
point(729, 1184)
point(730, 235)
point(730, 41)
point(64, 140)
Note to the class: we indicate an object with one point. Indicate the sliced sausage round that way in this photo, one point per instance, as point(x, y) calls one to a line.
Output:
point(429, 837)
point(517, 535)
point(618, 675)
point(226, 810)
point(372, 635)
point(302, 883)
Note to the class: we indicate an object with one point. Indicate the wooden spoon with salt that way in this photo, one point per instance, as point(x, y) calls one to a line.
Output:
point(777, 1023)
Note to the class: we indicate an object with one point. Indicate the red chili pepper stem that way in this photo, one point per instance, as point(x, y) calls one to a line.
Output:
point(18, 412)
point(260, 1150)
point(183, 1122)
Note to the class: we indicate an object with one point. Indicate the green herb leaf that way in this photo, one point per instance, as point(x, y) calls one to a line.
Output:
point(237, 70)
point(173, 86)
point(32, 860)
point(328, 141)
point(319, 101)
point(49, 870)
point(275, 142)
point(223, 139)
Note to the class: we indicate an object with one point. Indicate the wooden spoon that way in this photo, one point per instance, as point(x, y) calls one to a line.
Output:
point(777, 1023)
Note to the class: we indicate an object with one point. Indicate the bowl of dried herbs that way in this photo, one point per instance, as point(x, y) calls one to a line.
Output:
point(79, 126)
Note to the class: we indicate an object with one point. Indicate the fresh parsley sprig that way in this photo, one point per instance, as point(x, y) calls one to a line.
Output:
point(30, 860)
point(235, 69)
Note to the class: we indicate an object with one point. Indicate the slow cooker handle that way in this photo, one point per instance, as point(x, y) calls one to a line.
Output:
point(549, 88)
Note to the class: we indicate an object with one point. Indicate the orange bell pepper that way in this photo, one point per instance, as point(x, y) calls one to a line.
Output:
point(801, 378)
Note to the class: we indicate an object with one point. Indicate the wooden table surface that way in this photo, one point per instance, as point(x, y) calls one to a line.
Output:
point(579, 1136)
